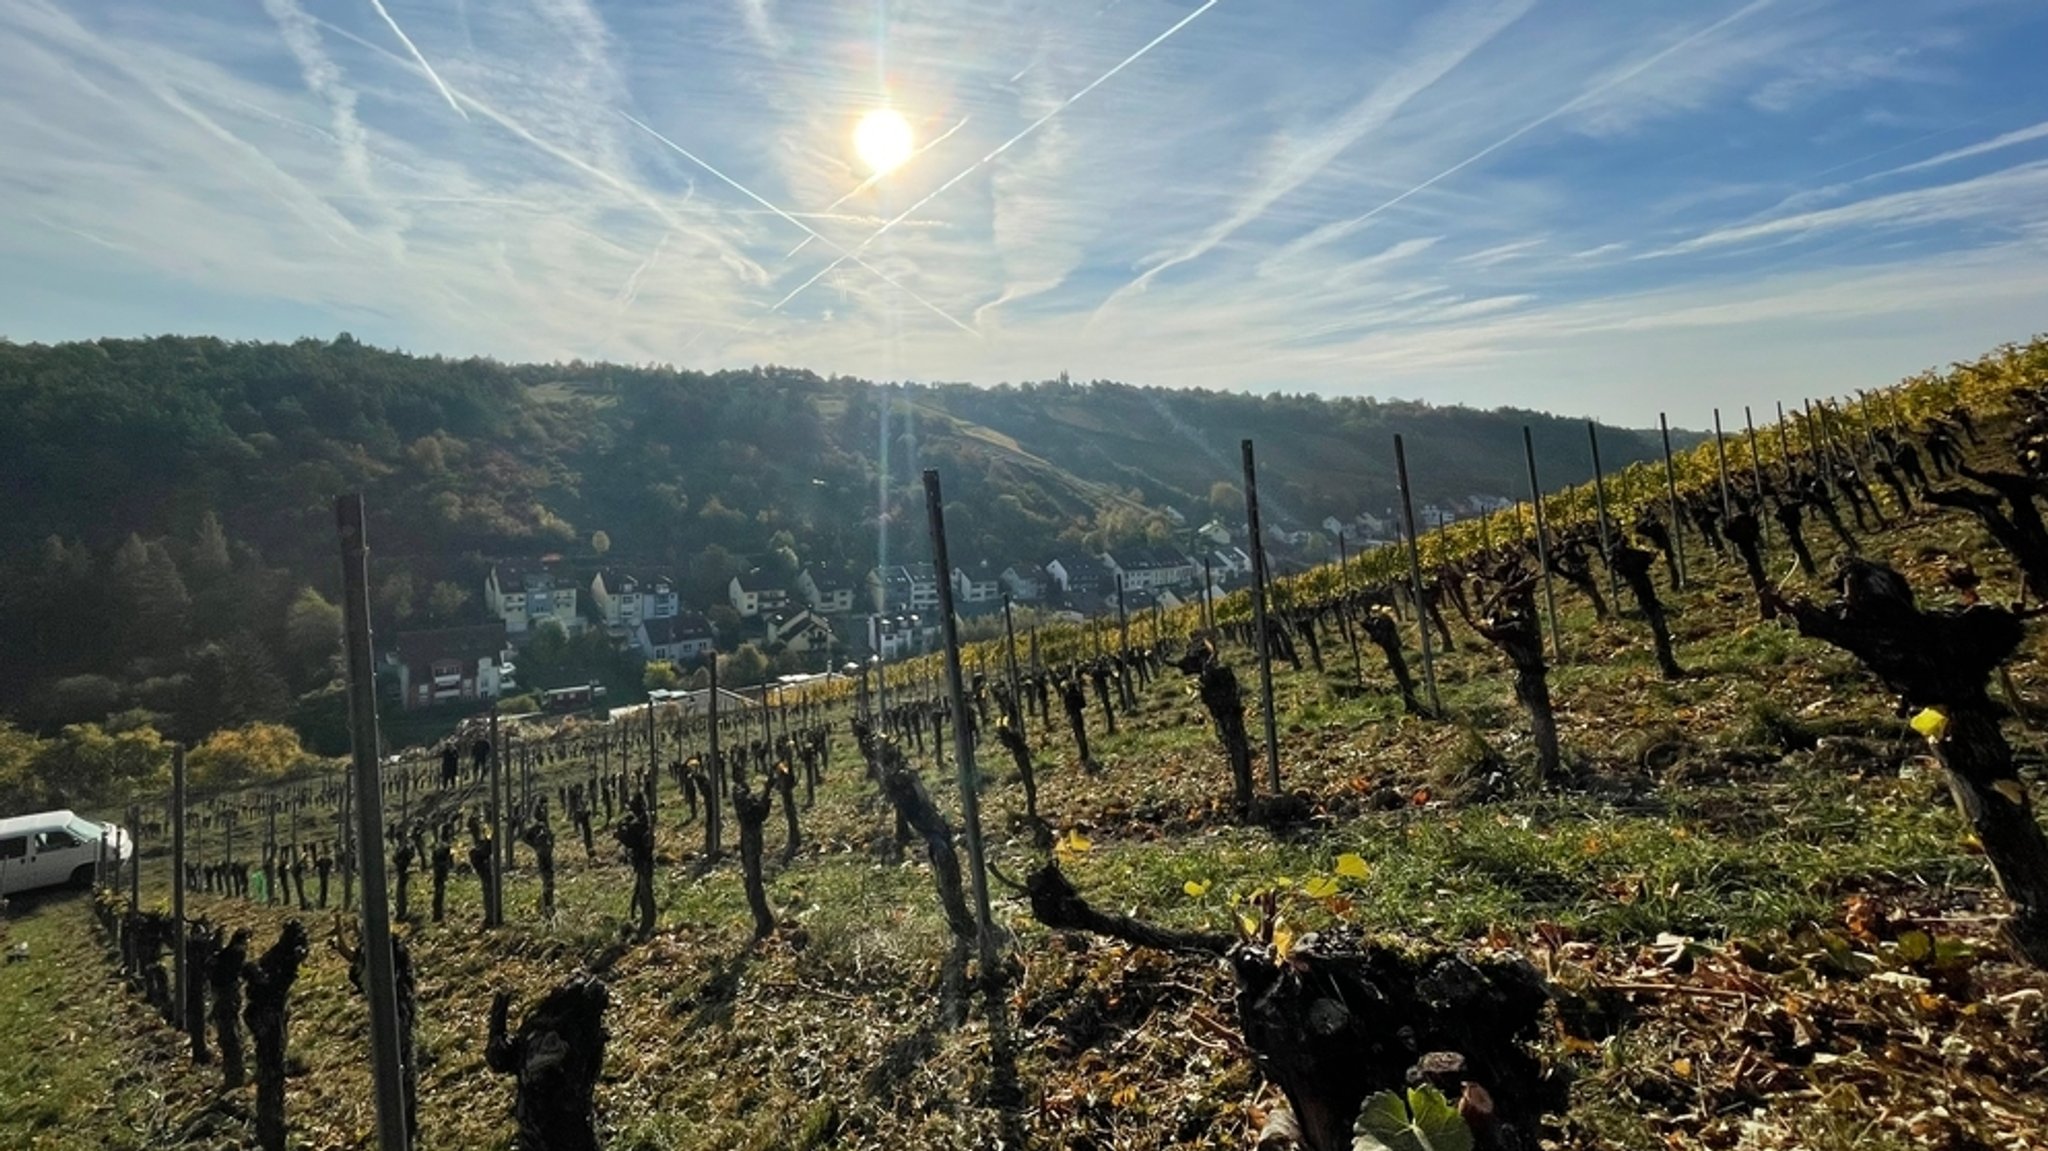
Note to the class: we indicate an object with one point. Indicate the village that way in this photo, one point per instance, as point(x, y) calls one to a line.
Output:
point(833, 619)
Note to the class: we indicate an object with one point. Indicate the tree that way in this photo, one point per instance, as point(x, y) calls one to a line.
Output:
point(395, 597)
point(88, 764)
point(149, 596)
point(446, 601)
point(76, 699)
point(660, 675)
point(255, 753)
point(209, 560)
point(312, 637)
point(725, 622)
point(744, 667)
point(1225, 498)
point(231, 682)
point(20, 787)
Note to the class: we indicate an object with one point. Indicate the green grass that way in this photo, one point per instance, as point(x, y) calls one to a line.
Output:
point(1764, 791)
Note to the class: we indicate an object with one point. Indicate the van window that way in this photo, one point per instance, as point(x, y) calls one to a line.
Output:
point(54, 840)
point(14, 848)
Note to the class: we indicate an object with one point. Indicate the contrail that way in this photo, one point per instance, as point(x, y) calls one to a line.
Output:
point(870, 182)
point(631, 291)
point(844, 255)
point(623, 188)
point(421, 60)
point(1005, 146)
point(1597, 90)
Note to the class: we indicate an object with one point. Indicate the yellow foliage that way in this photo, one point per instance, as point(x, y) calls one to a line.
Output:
point(255, 753)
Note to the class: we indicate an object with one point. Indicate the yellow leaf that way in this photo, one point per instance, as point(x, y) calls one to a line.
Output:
point(1248, 925)
point(1283, 940)
point(1284, 881)
point(1195, 890)
point(2011, 790)
point(1932, 723)
point(1682, 1067)
point(1320, 887)
point(1074, 843)
point(1352, 867)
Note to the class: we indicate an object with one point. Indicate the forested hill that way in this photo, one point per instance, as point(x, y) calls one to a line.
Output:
point(168, 501)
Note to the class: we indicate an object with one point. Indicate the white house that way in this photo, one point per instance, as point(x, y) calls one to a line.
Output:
point(1231, 561)
point(448, 664)
point(827, 594)
point(1148, 568)
point(978, 584)
point(890, 636)
point(527, 597)
point(903, 588)
point(803, 632)
point(626, 601)
point(1025, 582)
point(751, 599)
point(682, 638)
point(1080, 577)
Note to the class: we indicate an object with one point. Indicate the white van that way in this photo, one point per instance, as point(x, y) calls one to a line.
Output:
point(55, 847)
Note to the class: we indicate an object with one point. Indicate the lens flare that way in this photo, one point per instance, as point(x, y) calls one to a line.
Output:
point(883, 141)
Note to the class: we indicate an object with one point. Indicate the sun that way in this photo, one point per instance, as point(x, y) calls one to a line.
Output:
point(883, 141)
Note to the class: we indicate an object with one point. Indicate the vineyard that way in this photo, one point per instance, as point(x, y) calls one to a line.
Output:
point(1702, 818)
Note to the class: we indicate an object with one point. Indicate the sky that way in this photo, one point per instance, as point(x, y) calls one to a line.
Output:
point(1614, 209)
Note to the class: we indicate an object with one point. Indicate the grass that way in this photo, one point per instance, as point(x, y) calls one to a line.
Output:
point(1769, 793)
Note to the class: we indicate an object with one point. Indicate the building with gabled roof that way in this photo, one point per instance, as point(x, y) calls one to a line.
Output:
point(449, 664)
point(528, 595)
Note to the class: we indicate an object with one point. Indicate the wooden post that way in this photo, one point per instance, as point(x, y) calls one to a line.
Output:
point(1607, 533)
point(1671, 491)
point(386, 1068)
point(1123, 622)
point(1784, 440)
point(1817, 444)
point(963, 740)
point(501, 829)
point(653, 763)
point(1415, 574)
point(135, 855)
point(1756, 474)
point(714, 765)
point(1251, 510)
point(1543, 546)
point(179, 974)
point(1010, 644)
point(1721, 460)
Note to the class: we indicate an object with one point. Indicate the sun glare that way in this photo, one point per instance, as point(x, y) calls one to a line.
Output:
point(883, 141)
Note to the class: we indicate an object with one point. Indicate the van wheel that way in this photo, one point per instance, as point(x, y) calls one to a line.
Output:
point(81, 877)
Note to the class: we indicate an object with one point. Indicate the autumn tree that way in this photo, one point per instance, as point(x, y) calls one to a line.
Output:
point(312, 633)
point(256, 753)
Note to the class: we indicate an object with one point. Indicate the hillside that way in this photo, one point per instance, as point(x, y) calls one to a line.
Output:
point(1758, 917)
point(168, 549)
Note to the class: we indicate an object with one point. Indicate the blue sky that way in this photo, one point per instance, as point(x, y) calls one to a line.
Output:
point(1613, 208)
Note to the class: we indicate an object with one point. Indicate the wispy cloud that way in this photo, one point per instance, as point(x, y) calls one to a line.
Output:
point(2014, 196)
point(1438, 48)
point(1997, 143)
point(1602, 208)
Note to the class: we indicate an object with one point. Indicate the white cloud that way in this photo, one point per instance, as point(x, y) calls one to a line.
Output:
point(1392, 197)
